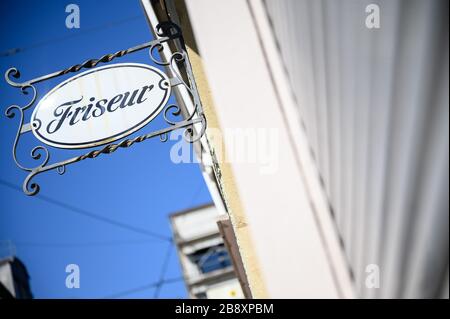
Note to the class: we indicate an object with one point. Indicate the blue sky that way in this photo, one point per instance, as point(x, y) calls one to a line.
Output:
point(101, 213)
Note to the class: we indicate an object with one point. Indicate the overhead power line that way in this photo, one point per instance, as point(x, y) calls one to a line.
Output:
point(91, 215)
point(162, 274)
point(13, 51)
point(82, 244)
point(143, 287)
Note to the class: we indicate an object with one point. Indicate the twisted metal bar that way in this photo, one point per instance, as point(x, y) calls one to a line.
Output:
point(33, 188)
point(93, 62)
point(77, 67)
point(111, 148)
point(165, 30)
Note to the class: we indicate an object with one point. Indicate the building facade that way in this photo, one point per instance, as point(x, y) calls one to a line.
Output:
point(14, 279)
point(355, 200)
point(207, 266)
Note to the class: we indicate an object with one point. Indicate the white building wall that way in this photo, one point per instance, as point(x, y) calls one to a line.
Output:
point(195, 224)
point(374, 103)
point(362, 122)
point(288, 242)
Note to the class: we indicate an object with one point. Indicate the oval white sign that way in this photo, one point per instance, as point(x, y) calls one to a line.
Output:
point(100, 105)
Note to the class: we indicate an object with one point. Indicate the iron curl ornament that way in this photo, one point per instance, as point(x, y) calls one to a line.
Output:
point(194, 123)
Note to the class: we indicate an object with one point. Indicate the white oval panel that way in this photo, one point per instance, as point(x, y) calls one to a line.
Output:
point(100, 105)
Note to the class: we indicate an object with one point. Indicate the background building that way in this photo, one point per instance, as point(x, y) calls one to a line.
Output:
point(207, 266)
point(361, 115)
point(14, 279)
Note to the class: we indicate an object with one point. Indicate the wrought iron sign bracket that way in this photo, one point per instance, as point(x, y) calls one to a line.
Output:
point(194, 124)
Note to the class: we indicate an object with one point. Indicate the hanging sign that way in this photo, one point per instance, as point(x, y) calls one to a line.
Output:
point(100, 105)
point(105, 105)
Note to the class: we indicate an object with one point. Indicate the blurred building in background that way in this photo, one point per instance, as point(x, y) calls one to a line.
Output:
point(356, 202)
point(14, 279)
point(207, 266)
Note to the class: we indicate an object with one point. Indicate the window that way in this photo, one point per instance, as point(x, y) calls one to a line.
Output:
point(211, 258)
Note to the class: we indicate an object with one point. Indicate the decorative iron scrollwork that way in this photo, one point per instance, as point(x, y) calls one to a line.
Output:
point(166, 31)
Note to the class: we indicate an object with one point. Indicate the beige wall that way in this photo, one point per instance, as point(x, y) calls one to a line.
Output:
point(279, 236)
